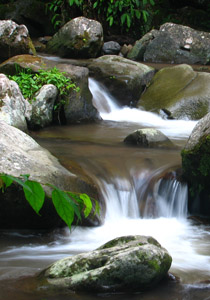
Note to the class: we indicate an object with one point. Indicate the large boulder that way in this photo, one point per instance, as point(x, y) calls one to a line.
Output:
point(130, 263)
point(14, 39)
point(173, 43)
point(124, 78)
point(78, 106)
point(20, 154)
point(196, 167)
point(178, 91)
point(148, 138)
point(14, 109)
point(79, 38)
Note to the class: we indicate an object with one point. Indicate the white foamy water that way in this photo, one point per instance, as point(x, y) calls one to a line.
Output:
point(110, 110)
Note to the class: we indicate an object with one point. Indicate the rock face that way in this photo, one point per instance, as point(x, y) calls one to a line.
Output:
point(31, 13)
point(78, 105)
point(196, 167)
point(20, 154)
point(124, 78)
point(130, 263)
point(180, 92)
point(173, 43)
point(14, 39)
point(148, 138)
point(42, 107)
point(14, 109)
point(79, 38)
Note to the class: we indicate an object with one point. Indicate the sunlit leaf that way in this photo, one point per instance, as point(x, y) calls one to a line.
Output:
point(63, 206)
point(36, 196)
point(88, 204)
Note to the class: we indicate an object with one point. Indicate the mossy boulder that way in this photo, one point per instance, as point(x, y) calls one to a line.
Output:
point(129, 263)
point(124, 78)
point(148, 138)
point(196, 167)
point(14, 39)
point(179, 91)
point(79, 38)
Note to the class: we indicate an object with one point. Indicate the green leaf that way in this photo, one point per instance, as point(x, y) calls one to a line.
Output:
point(63, 206)
point(138, 14)
point(123, 18)
point(95, 5)
point(88, 204)
point(36, 196)
point(6, 180)
point(145, 15)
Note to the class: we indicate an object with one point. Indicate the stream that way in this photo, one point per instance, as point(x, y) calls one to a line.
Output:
point(138, 201)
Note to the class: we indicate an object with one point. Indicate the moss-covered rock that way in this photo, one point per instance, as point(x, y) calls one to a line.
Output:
point(180, 91)
point(124, 78)
point(148, 138)
point(130, 263)
point(196, 167)
point(79, 38)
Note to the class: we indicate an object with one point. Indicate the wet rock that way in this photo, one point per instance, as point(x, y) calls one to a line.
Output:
point(79, 38)
point(124, 78)
point(129, 263)
point(111, 47)
point(178, 44)
point(14, 39)
point(149, 138)
point(196, 167)
point(14, 109)
point(178, 91)
point(20, 154)
point(42, 107)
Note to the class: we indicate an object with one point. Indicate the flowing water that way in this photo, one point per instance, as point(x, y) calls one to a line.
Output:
point(140, 199)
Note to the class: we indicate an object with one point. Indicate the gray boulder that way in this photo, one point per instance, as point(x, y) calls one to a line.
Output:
point(148, 138)
point(79, 38)
point(130, 263)
point(124, 78)
point(20, 154)
point(178, 91)
point(111, 47)
point(14, 109)
point(42, 107)
point(178, 44)
point(14, 39)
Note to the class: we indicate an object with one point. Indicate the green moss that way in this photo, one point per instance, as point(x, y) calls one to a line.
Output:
point(196, 166)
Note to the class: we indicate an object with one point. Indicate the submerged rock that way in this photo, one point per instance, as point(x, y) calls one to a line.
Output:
point(179, 91)
point(129, 263)
point(79, 38)
point(196, 167)
point(124, 78)
point(149, 138)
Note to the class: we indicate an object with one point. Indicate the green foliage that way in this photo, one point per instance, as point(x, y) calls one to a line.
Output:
point(123, 13)
point(67, 204)
point(29, 82)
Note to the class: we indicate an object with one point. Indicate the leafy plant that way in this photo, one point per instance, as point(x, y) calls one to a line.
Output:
point(123, 13)
point(30, 82)
point(67, 204)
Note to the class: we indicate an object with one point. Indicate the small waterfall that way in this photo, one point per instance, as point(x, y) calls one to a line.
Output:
point(109, 109)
